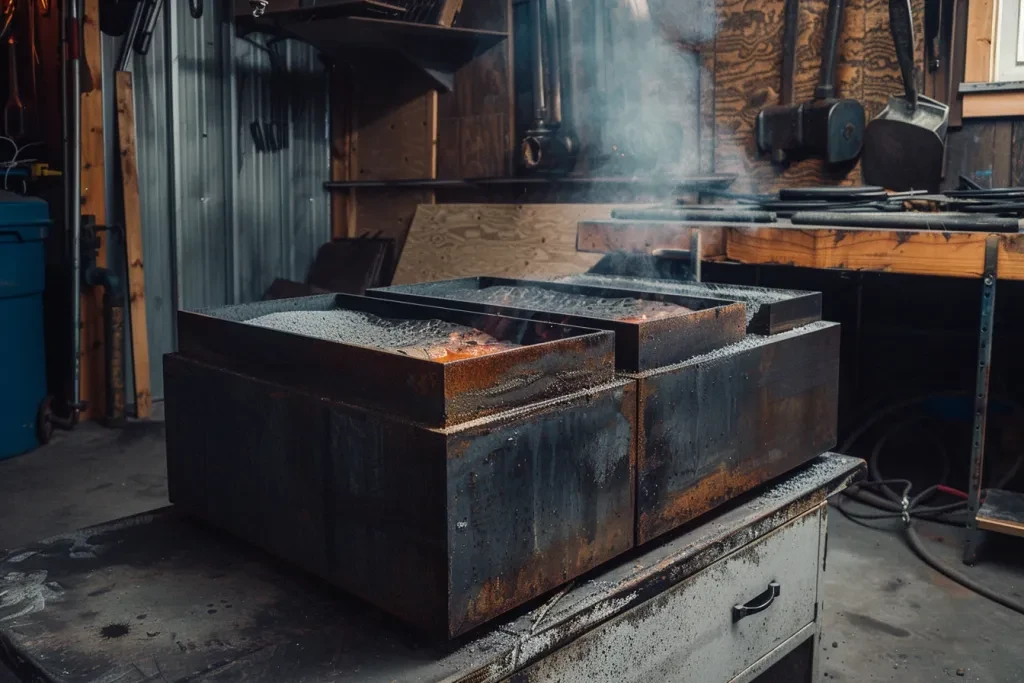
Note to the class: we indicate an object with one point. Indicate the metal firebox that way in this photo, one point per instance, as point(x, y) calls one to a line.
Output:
point(445, 491)
point(719, 411)
point(449, 451)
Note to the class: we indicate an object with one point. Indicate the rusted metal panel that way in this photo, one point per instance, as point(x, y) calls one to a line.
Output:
point(446, 528)
point(640, 344)
point(550, 360)
point(719, 425)
point(537, 499)
point(769, 311)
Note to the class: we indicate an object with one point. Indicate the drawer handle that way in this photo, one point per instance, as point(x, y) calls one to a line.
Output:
point(758, 604)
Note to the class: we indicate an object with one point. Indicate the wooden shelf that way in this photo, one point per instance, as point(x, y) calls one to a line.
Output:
point(1002, 512)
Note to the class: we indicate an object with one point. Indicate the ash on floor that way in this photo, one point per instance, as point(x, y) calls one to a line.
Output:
point(888, 616)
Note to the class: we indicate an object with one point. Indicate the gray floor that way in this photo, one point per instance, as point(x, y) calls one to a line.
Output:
point(888, 617)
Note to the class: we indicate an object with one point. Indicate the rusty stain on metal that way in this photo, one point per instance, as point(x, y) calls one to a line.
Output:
point(495, 510)
point(721, 424)
point(708, 492)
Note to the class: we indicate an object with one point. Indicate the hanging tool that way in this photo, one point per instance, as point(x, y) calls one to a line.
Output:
point(195, 8)
point(130, 37)
point(14, 110)
point(547, 147)
point(905, 144)
point(145, 37)
point(258, 7)
point(825, 127)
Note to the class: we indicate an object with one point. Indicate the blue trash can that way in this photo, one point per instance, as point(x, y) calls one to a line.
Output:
point(24, 223)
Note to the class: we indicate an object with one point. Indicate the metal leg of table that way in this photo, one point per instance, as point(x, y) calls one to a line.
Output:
point(983, 370)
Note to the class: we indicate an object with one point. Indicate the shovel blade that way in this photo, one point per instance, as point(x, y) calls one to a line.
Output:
point(904, 147)
point(926, 114)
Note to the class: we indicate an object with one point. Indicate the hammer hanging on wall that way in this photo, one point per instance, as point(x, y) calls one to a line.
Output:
point(826, 127)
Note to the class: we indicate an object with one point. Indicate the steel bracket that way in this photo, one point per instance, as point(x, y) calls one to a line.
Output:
point(981, 387)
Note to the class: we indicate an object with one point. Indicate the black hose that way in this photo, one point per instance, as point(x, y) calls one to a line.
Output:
point(940, 450)
point(896, 506)
point(914, 541)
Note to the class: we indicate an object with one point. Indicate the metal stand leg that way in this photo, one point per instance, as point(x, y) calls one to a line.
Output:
point(988, 305)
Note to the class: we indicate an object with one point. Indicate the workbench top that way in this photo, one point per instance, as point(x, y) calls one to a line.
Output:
point(160, 597)
point(917, 252)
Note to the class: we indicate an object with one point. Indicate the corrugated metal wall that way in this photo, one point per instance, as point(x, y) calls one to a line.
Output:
point(281, 218)
point(220, 219)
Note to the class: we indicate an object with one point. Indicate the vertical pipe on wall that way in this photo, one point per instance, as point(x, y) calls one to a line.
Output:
point(73, 167)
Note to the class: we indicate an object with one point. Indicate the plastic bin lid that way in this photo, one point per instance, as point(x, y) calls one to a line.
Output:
point(27, 217)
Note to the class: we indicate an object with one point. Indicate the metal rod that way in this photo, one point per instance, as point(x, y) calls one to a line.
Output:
point(554, 61)
point(74, 65)
point(540, 81)
point(826, 79)
point(982, 373)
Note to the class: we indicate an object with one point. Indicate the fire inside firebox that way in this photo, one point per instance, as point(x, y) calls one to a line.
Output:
point(434, 340)
point(625, 309)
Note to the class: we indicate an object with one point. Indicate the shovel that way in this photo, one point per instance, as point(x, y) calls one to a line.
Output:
point(904, 145)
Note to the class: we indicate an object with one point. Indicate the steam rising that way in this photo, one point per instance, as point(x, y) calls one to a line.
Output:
point(634, 75)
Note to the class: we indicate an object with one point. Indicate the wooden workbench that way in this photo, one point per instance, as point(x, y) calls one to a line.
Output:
point(918, 252)
point(160, 597)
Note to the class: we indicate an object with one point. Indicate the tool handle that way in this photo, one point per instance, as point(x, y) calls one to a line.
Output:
point(790, 30)
point(833, 22)
point(901, 23)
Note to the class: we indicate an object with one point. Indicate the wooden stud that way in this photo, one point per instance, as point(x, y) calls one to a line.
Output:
point(449, 10)
point(343, 142)
point(133, 242)
point(1017, 155)
point(958, 59)
point(93, 363)
point(993, 104)
point(1000, 526)
point(979, 62)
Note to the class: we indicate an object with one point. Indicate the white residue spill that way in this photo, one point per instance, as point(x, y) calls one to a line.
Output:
point(24, 593)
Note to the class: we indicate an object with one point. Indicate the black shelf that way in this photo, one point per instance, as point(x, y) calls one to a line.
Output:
point(323, 9)
point(435, 51)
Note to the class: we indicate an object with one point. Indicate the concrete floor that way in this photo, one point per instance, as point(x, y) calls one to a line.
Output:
point(888, 616)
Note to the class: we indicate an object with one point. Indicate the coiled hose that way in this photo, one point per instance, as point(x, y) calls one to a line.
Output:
point(900, 505)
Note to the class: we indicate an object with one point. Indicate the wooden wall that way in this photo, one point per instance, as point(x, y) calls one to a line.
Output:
point(748, 73)
point(387, 126)
point(990, 152)
point(386, 134)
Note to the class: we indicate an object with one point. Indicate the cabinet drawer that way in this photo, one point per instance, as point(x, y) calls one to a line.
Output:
point(688, 633)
